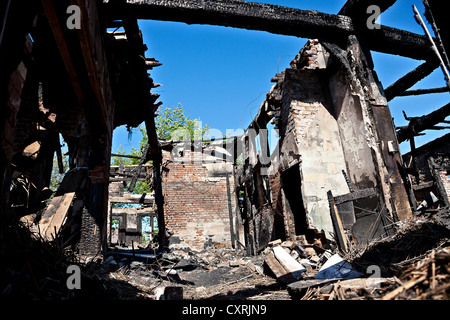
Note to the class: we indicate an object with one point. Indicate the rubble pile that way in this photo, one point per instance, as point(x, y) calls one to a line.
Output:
point(425, 279)
point(33, 269)
point(412, 264)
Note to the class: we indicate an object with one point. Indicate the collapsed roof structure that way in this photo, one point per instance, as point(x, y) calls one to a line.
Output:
point(337, 168)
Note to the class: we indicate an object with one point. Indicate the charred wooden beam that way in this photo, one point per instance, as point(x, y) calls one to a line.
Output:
point(271, 18)
point(85, 61)
point(419, 124)
point(433, 43)
point(399, 42)
point(434, 168)
point(337, 223)
point(52, 16)
point(410, 79)
point(424, 91)
point(235, 13)
point(436, 14)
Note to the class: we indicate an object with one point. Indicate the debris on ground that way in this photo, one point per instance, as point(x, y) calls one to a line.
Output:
point(412, 264)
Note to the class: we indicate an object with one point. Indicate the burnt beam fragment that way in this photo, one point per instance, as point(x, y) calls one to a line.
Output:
point(410, 79)
point(399, 42)
point(426, 122)
point(424, 91)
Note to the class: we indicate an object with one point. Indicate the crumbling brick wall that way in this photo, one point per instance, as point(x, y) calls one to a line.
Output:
point(312, 135)
point(330, 142)
point(196, 207)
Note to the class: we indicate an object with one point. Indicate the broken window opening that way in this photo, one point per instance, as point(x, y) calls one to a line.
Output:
point(132, 224)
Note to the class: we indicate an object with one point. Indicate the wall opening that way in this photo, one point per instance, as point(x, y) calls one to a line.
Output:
point(114, 231)
point(291, 184)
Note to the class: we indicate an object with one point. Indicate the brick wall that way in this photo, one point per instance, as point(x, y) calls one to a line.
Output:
point(196, 202)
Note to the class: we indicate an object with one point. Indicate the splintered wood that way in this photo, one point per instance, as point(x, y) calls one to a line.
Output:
point(425, 279)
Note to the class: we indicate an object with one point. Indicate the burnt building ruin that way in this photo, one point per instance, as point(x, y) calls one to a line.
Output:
point(337, 171)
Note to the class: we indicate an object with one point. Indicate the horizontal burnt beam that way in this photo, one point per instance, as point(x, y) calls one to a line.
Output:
point(426, 122)
point(399, 42)
point(234, 13)
point(410, 79)
point(271, 18)
point(417, 92)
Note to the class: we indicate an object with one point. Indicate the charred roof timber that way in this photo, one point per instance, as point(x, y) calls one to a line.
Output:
point(276, 19)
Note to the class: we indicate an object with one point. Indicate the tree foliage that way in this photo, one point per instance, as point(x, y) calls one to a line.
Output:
point(171, 124)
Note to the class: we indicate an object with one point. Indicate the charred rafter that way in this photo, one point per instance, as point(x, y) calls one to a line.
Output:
point(424, 91)
point(426, 122)
point(410, 79)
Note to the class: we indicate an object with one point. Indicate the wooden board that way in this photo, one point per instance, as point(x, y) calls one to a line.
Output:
point(49, 212)
point(51, 227)
point(337, 223)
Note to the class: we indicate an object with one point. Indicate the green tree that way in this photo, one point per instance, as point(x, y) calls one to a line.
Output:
point(56, 177)
point(173, 124)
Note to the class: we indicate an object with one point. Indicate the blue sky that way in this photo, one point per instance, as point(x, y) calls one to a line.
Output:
point(221, 74)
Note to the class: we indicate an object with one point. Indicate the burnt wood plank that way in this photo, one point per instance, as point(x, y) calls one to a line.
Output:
point(340, 234)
